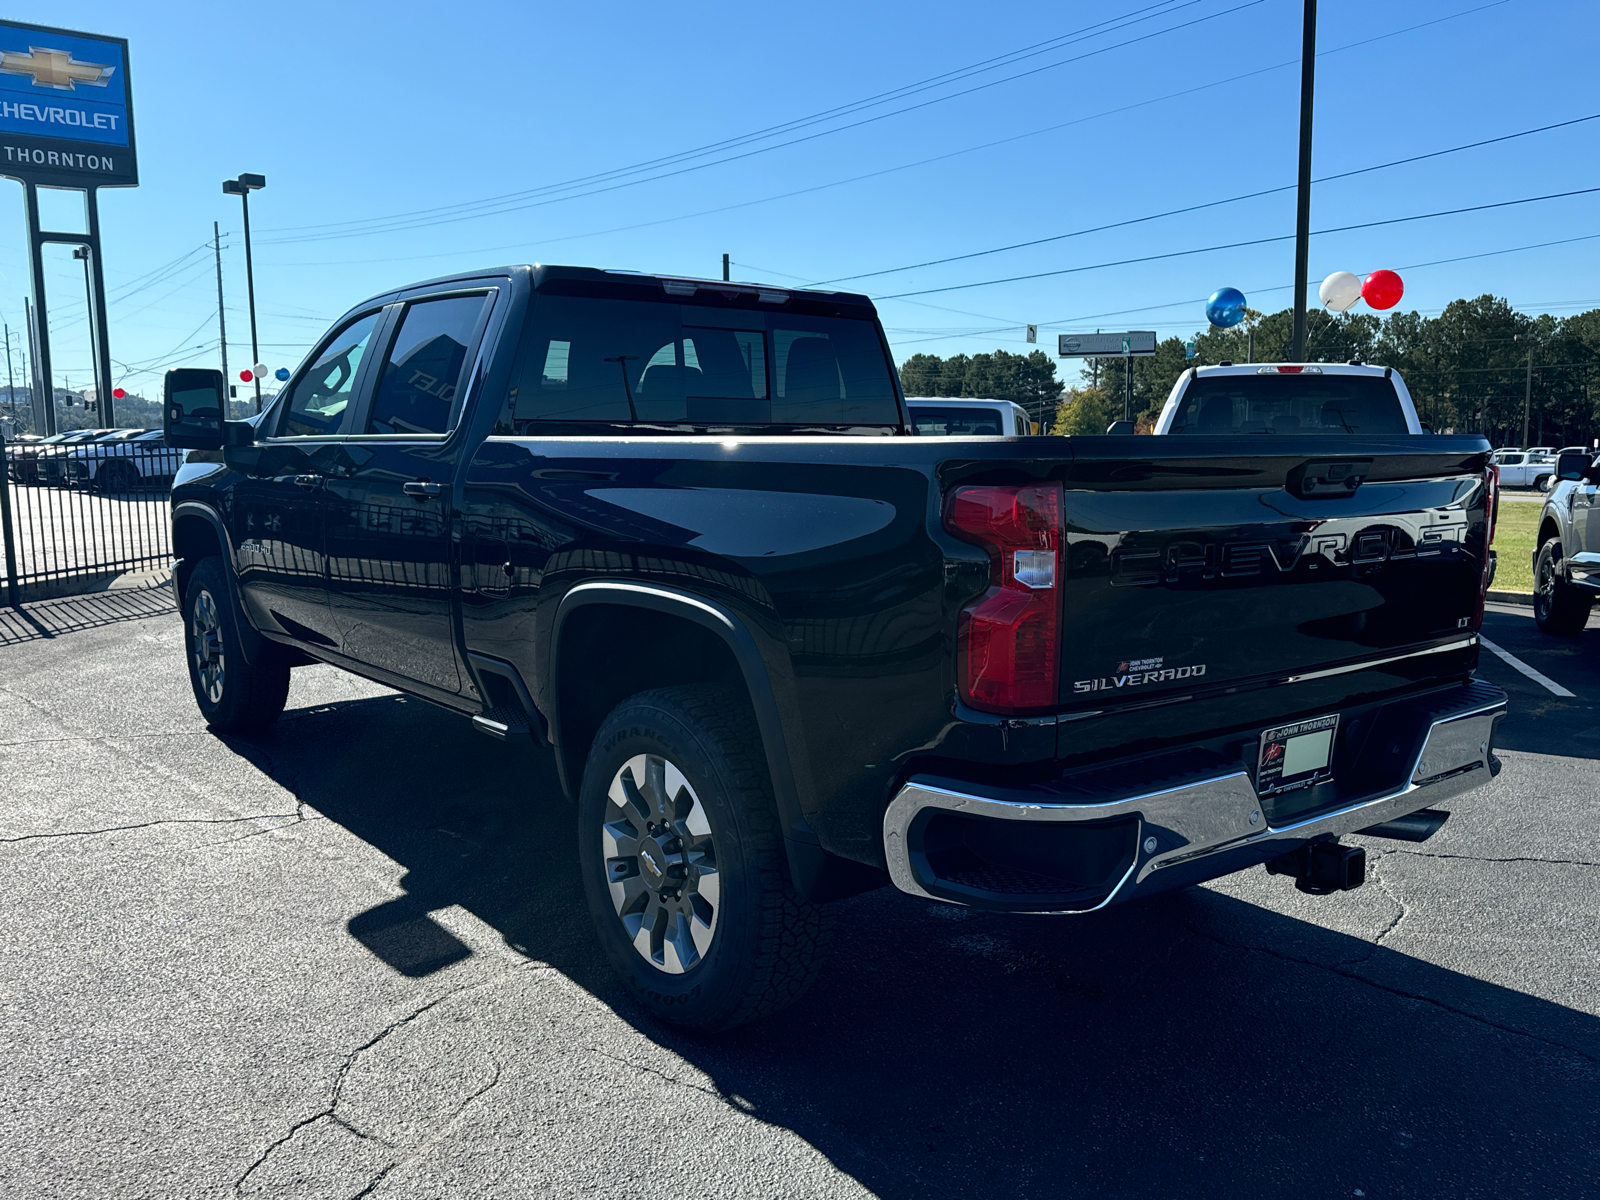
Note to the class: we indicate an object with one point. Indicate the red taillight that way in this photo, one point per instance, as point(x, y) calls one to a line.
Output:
point(1491, 479)
point(1009, 642)
point(1494, 500)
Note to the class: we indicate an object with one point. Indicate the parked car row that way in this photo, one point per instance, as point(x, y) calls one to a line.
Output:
point(104, 460)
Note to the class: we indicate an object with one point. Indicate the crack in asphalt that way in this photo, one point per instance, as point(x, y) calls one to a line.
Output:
point(713, 1092)
point(1337, 969)
point(74, 833)
point(106, 737)
point(1554, 862)
point(330, 1111)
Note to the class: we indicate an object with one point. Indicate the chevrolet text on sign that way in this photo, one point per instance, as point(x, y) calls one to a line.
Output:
point(66, 112)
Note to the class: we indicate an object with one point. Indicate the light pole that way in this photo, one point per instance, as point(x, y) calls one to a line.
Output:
point(102, 387)
point(242, 187)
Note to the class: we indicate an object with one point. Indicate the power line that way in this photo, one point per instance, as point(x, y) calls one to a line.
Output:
point(1449, 212)
point(778, 129)
point(1255, 291)
point(1110, 112)
point(407, 223)
point(1173, 212)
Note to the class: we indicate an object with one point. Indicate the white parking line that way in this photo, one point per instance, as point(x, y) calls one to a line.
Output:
point(1516, 664)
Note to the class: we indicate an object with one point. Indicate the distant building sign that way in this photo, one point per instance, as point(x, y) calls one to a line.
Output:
point(1137, 343)
point(66, 112)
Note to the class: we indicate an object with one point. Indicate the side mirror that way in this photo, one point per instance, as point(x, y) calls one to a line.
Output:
point(194, 410)
point(1573, 465)
point(1120, 429)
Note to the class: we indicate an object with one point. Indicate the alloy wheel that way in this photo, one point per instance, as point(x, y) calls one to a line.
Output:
point(1544, 585)
point(206, 628)
point(661, 866)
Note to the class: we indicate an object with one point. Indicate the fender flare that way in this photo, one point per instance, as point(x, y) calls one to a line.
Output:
point(250, 639)
point(725, 624)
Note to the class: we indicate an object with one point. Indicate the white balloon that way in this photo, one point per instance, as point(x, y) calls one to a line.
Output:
point(1340, 291)
point(260, 369)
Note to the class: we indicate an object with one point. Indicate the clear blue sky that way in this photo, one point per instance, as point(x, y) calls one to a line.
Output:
point(356, 112)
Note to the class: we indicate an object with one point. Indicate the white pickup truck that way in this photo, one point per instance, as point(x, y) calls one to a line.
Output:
point(1290, 398)
point(1524, 468)
point(938, 417)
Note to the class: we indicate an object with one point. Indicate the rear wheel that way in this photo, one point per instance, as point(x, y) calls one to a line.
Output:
point(682, 862)
point(1558, 607)
point(234, 696)
point(116, 477)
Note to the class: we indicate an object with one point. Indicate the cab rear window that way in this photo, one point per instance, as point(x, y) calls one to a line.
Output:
point(589, 362)
point(954, 422)
point(1365, 405)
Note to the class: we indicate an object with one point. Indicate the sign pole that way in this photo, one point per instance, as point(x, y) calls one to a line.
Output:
point(1127, 395)
point(44, 407)
point(102, 343)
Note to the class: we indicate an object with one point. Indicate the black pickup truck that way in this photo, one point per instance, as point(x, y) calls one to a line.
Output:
point(783, 650)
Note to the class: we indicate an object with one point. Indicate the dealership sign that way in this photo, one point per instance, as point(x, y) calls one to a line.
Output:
point(66, 111)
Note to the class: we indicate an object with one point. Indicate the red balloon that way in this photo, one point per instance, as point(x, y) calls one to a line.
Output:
point(246, 376)
point(1382, 289)
point(118, 393)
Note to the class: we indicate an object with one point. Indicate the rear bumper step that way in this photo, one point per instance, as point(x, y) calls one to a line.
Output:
point(1086, 841)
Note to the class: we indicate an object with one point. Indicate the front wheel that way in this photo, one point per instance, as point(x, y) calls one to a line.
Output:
point(682, 862)
point(234, 696)
point(1558, 607)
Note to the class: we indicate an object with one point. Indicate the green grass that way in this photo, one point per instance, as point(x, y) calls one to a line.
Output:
point(1513, 542)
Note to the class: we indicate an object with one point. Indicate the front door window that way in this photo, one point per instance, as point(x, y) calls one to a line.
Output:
point(319, 405)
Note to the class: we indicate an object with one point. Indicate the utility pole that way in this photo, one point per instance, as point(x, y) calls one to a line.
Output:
point(1302, 228)
point(11, 380)
point(725, 265)
point(222, 321)
point(1527, 398)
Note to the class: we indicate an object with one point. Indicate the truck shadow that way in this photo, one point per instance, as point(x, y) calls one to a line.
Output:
point(1195, 1046)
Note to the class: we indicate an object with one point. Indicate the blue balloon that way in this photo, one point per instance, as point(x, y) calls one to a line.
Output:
point(282, 373)
point(1225, 309)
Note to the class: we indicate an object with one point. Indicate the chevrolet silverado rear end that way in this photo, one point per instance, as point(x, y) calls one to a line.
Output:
point(1235, 653)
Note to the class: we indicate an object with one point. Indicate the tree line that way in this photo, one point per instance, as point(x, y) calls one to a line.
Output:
point(1467, 369)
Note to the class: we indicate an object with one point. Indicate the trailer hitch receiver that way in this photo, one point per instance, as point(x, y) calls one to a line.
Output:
point(1323, 867)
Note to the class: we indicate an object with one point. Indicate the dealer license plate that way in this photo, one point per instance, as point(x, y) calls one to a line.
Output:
point(1295, 756)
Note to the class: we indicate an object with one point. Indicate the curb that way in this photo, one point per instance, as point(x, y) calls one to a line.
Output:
point(1524, 598)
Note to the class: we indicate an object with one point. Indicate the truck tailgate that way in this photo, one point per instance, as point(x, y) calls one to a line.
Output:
point(1216, 566)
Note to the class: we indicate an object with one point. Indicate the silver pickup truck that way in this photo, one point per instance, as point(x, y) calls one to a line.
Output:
point(1566, 558)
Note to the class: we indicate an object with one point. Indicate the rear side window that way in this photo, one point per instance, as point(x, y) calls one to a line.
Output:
point(417, 391)
point(320, 401)
point(1365, 405)
point(955, 422)
point(589, 361)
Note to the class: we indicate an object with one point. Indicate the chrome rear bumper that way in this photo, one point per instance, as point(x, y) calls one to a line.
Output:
point(1201, 828)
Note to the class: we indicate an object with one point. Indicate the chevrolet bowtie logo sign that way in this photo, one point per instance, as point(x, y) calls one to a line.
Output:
point(54, 68)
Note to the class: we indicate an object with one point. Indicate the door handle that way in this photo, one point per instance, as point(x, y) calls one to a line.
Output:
point(308, 481)
point(421, 487)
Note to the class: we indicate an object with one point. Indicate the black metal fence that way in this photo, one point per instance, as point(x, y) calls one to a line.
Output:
point(79, 512)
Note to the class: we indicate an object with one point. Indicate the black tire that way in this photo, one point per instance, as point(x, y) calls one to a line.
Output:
point(116, 478)
point(1558, 607)
point(1539, 481)
point(762, 943)
point(234, 696)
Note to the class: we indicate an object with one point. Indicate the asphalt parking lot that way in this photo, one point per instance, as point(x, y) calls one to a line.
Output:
point(349, 958)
